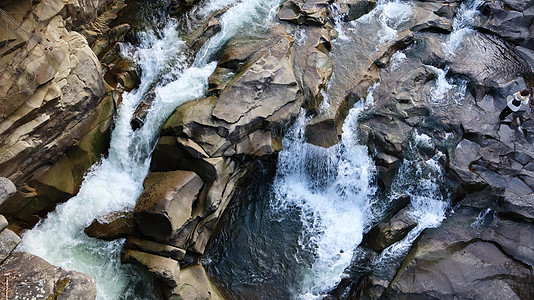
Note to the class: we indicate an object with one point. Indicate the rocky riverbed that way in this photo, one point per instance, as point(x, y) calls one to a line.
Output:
point(430, 78)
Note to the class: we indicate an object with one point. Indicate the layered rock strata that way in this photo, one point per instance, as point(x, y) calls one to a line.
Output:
point(56, 107)
point(61, 75)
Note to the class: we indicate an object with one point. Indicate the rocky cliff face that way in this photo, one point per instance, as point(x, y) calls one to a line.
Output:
point(60, 80)
point(55, 106)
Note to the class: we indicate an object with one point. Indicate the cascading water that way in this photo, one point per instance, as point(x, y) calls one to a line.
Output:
point(391, 15)
point(421, 179)
point(462, 25)
point(115, 183)
point(332, 191)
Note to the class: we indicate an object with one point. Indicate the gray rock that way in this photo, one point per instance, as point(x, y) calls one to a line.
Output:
point(30, 277)
point(395, 229)
point(7, 188)
point(469, 249)
point(8, 242)
point(3, 222)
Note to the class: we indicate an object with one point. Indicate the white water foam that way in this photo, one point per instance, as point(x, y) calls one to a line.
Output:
point(397, 59)
point(116, 182)
point(420, 179)
point(337, 18)
point(442, 86)
point(391, 15)
point(331, 188)
point(253, 13)
point(479, 221)
point(446, 88)
point(462, 25)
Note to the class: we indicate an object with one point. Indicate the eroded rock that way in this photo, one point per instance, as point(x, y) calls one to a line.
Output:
point(165, 269)
point(166, 204)
point(31, 277)
point(195, 285)
point(113, 226)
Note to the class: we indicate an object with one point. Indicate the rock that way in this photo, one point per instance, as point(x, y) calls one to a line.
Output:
point(30, 277)
point(479, 262)
point(155, 248)
point(522, 206)
point(469, 249)
point(387, 166)
point(500, 64)
point(313, 66)
point(175, 153)
point(52, 97)
point(269, 80)
point(195, 285)
point(7, 188)
point(310, 12)
point(395, 229)
point(210, 205)
point(52, 184)
point(268, 95)
point(3, 222)
point(465, 153)
point(165, 269)
point(166, 203)
point(112, 226)
point(8, 241)
point(354, 9)
point(204, 33)
point(510, 19)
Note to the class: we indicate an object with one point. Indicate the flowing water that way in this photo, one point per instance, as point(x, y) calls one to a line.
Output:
point(115, 183)
point(463, 24)
point(293, 235)
point(314, 215)
point(421, 179)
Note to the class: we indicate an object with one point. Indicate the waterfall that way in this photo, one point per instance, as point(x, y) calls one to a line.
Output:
point(421, 179)
point(390, 15)
point(462, 25)
point(332, 190)
point(115, 183)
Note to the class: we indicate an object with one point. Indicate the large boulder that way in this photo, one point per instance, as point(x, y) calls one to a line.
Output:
point(8, 242)
point(195, 285)
point(7, 188)
point(165, 269)
point(112, 226)
point(54, 97)
point(27, 276)
point(166, 204)
point(469, 256)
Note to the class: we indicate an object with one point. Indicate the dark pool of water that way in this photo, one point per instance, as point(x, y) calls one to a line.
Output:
point(256, 253)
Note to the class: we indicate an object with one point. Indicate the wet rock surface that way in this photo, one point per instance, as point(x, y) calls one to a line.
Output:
point(469, 255)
